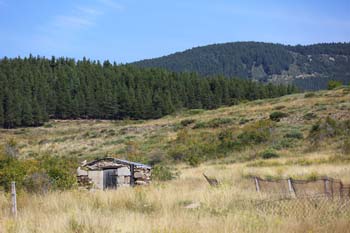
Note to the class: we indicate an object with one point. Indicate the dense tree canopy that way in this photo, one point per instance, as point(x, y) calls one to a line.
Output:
point(308, 67)
point(34, 89)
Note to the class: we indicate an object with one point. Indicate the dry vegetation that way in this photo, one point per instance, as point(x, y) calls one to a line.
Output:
point(188, 203)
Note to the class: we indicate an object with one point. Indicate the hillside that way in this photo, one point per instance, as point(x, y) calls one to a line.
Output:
point(308, 67)
point(300, 136)
point(236, 133)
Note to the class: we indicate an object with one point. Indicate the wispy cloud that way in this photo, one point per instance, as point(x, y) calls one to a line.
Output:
point(112, 4)
point(80, 17)
point(63, 31)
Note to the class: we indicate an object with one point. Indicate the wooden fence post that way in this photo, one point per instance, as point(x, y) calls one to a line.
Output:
point(132, 175)
point(14, 198)
point(291, 188)
point(257, 186)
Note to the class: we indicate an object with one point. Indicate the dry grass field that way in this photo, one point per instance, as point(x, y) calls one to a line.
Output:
point(187, 203)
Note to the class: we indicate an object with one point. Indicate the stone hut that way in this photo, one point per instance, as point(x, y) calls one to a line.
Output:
point(112, 173)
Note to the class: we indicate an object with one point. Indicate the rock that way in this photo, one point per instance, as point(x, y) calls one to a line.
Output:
point(194, 205)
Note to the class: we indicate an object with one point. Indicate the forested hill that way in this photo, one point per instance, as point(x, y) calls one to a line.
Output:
point(309, 67)
point(34, 89)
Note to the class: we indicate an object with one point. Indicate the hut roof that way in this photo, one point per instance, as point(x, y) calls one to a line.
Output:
point(110, 162)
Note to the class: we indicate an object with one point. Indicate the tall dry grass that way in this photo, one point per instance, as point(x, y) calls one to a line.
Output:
point(161, 207)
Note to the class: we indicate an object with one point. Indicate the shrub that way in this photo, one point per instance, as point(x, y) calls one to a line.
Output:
point(327, 128)
point(217, 122)
point(346, 147)
point(309, 95)
point(61, 170)
point(194, 111)
point(200, 125)
point(38, 182)
point(268, 154)
point(193, 160)
point(256, 133)
point(294, 134)
point(279, 107)
point(277, 116)
point(163, 173)
point(214, 123)
point(334, 84)
point(187, 122)
point(242, 121)
point(284, 143)
point(310, 116)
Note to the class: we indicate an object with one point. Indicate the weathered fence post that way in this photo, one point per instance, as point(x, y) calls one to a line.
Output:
point(14, 199)
point(291, 188)
point(257, 186)
point(132, 175)
point(327, 190)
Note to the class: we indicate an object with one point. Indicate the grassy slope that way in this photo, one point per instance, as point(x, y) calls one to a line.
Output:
point(160, 207)
point(88, 138)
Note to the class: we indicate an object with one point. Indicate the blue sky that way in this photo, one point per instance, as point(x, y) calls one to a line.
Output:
point(130, 30)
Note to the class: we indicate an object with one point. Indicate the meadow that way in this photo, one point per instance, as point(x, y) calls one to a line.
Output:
point(301, 136)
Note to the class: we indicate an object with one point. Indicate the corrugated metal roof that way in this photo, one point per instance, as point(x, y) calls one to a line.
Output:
point(133, 163)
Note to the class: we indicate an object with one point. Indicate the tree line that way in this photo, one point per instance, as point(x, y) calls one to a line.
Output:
point(263, 62)
point(35, 89)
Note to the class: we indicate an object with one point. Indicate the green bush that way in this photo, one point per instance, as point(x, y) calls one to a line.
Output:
point(200, 125)
point(187, 122)
point(268, 154)
point(37, 174)
point(327, 128)
point(256, 133)
point(309, 95)
point(310, 116)
point(214, 123)
point(242, 121)
point(38, 182)
point(294, 134)
point(163, 173)
point(346, 147)
point(277, 116)
point(284, 143)
point(279, 107)
point(334, 84)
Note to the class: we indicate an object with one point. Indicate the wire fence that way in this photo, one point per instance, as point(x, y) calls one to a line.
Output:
point(321, 186)
point(318, 207)
point(320, 198)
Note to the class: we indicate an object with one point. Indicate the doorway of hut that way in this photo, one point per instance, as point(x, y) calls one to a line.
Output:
point(110, 178)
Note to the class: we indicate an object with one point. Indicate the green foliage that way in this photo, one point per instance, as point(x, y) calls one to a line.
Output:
point(35, 88)
point(163, 173)
point(193, 148)
point(214, 123)
point(310, 116)
point(277, 116)
point(346, 147)
point(268, 154)
point(328, 128)
point(294, 134)
point(334, 84)
point(309, 95)
point(256, 133)
point(256, 60)
point(279, 107)
point(284, 143)
point(187, 122)
point(37, 174)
